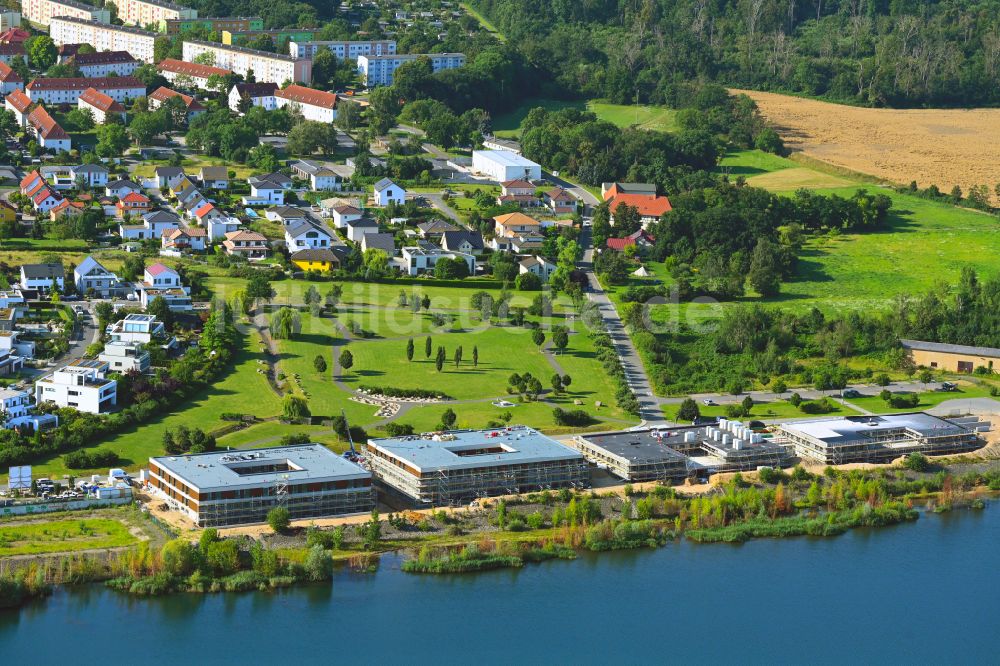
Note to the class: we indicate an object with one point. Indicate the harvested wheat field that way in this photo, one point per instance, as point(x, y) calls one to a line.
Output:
point(944, 147)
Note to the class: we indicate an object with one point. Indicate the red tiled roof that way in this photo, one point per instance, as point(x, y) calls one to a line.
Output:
point(559, 194)
point(14, 36)
point(204, 209)
point(30, 178)
point(82, 83)
point(135, 197)
point(8, 75)
point(303, 95)
point(630, 240)
point(46, 125)
point(192, 69)
point(100, 101)
point(43, 194)
point(158, 268)
point(518, 183)
point(647, 206)
point(162, 94)
point(19, 101)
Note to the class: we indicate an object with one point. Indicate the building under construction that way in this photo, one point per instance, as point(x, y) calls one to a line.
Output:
point(671, 454)
point(462, 465)
point(882, 438)
point(237, 487)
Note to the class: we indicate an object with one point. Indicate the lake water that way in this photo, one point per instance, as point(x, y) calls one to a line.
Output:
point(916, 593)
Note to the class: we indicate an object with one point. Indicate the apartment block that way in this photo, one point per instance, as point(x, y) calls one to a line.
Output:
point(378, 70)
point(314, 104)
point(192, 73)
point(68, 91)
point(105, 63)
point(82, 385)
point(138, 42)
point(151, 12)
point(215, 24)
point(241, 37)
point(266, 67)
point(342, 50)
point(42, 12)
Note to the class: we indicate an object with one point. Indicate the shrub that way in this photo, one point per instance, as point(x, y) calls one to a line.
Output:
point(917, 462)
point(574, 417)
point(279, 519)
point(90, 459)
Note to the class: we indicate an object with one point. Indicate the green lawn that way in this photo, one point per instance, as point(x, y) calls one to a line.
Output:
point(484, 22)
point(63, 536)
point(928, 399)
point(776, 409)
point(623, 115)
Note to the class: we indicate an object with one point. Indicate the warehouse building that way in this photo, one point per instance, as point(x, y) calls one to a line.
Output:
point(238, 487)
point(504, 165)
point(462, 465)
point(952, 358)
point(850, 439)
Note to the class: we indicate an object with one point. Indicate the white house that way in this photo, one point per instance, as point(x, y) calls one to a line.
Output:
point(122, 356)
point(538, 265)
point(101, 106)
point(358, 228)
point(306, 236)
point(268, 189)
point(161, 280)
point(16, 406)
point(91, 175)
point(316, 105)
point(39, 277)
point(467, 242)
point(11, 344)
point(178, 240)
point(387, 192)
point(286, 215)
point(81, 385)
point(504, 165)
point(137, 328)
point(342, 215)
point(168, 176)
point(419, 260)
point(152, 227)
point(322, 177)
point(90, 275)
point(259, 94)
point(220, 226)
point(121, 188)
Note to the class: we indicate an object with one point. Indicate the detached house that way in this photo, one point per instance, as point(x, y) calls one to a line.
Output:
point(388, 192)
point(322, 261)
point(89, 175)
point(168, 177)
point(517, 191)
point(322, 177)
point(214, 178)
point(121, 188)
point(160, 280)
point(537, 265)
point(133, 204)
point(306, 236)
point(467, 242)
point(286, 215)
point(153, 226)
point(343, 214)
point(560, 201)
point(179, 240)
point(640, 196)
point(268, 189)
point(91, 277)
point(248, 244)
point(39, 277)
point(358, 228)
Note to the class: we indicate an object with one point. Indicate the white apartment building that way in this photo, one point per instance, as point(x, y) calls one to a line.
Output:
point(342, 50)
point(43, 11)
point(81, 385)
point(267, 67)
point(68, 91)
point(105, 63)
point(259, 94)
point(103, 37)
point(147, 12)
point(378, 70)
point(189, 73)
point(10, 344)
point(122, 356)
point(314, 104)
point(101, 107)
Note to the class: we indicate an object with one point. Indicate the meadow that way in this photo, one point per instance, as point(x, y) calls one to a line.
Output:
point(60, 536)
point(623, 115)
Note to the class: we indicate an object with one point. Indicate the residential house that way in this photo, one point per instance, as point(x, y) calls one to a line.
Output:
point(68, 91)
point(306, 236)
point(7, 212)
point(82, 385)
point(168, 177)
point(214, 178)
point(286, 215)
point(342, 215)
point(133, 204)
point(122, 356)
point(611, 190)
point(388, 192)
point(435, 229)
point(18, 103)
point(15, 411)
point(640, 238)
point(518, 189)
point(9, 79)
point(121, 188)
point(640, 196)
point(11, 344)
point(259, 94)
point(50, 135)
point(322, 177)
point(91, 277)
point(189, 74)
point(358, 228)
point(417, 260)
point(10, 51)
point(105, 63)
point(39, 277)
point(315, 105)
point(516, 224)
point(160, 96)
point(89, 175)
point(379, 241)
point(219, 227)
point(248, 244)
point(101, 106)
point(205, 212)
point(467, 242)
point(321, 261)
point(66, 208)
point(139, 328)
point(560, 201)
point(10, 363)
point(191, 239)
point(160, 280)
point(538, 265)
point(268, 189)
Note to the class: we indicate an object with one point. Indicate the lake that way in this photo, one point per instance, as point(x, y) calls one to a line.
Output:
point(916, 593)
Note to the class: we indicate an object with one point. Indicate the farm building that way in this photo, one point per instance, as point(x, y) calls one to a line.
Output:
point(237, 487)
point(461, 465)
point(954, 358)
point(873, 438)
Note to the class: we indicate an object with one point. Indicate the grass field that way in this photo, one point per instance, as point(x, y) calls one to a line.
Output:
point(30, 538)
point(774, 409)
point(928, 399)
point(622, 115)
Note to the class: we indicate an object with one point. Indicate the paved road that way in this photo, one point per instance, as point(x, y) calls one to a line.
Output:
point(86, 332)
point(437, 200)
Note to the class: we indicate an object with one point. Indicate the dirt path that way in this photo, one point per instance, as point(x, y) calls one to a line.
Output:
point(944, 147)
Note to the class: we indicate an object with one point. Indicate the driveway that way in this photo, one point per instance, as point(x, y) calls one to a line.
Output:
point(85, 334)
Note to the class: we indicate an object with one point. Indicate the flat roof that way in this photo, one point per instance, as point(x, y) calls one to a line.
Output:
point(640, 446)
point(444, 451)
point(220, 469)
point(839, 430)
point(505, 157)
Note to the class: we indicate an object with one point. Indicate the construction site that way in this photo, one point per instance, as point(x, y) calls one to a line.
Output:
point(462, 465)
point(224, 488)
point(873, 439)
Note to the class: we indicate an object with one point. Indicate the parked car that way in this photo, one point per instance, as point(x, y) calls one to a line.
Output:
point(708, 402)
point(851, 393)
point(948, 386)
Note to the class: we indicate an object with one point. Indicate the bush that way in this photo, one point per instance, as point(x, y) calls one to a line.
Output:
point(904, 400)
point(917, 462)
point(822, 406)
point(91, 459)
point(279, 519)
point(575, 417)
